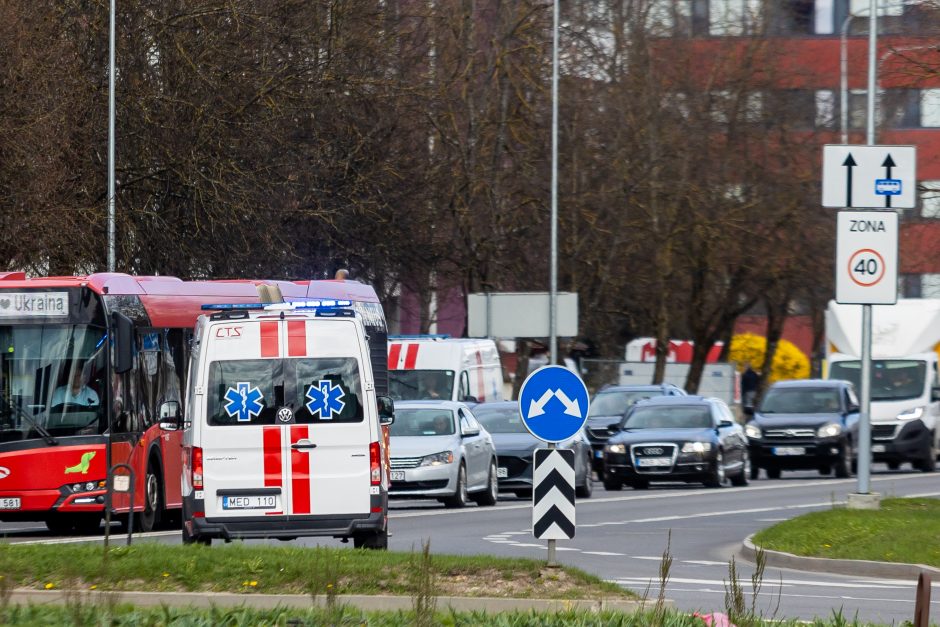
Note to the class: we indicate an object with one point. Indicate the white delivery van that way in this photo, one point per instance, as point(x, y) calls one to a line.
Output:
point(440, 367)
point(281, 434)
point(905, 384)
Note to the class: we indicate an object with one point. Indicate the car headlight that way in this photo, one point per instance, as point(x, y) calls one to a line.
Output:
point(696, 447)
point(753, 431)
point(830, 430)
point(438, 459)
point(911, 414)
point(616, 448)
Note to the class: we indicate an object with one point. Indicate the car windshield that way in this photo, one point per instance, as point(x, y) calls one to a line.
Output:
point(891, 379)
point(800, 401)
point(678, 417)
point(422, 422)
point(52, 380)
point(616, 403)
point(419, 385)
point(500, 420)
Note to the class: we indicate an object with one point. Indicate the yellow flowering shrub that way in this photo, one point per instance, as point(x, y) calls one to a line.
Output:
point(789, 361)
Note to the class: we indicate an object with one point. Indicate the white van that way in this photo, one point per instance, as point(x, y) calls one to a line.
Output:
point(281, 435)
point(440, 367)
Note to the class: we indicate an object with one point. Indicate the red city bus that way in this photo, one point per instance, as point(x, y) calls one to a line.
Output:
point(61, 387)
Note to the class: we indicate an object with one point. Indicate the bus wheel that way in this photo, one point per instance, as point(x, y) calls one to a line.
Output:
point(153, 501)
point(59, 524)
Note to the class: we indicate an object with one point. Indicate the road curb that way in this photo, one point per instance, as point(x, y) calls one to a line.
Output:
point(860, 568)
point(359, 601)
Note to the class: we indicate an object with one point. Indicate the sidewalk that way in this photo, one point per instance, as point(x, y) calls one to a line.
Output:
point(854, 568)
point(362, 602)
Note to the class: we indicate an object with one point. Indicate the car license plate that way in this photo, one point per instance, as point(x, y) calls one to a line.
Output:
point(789, 450)
point(10, 503)
point(654, 461)
point(249, 502)
point(502, 472)
point(878, 448)
point(398, 475)
point(598, 454)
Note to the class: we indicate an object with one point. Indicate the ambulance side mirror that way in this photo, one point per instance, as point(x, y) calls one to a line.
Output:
point(170, 417)
point(386, 410)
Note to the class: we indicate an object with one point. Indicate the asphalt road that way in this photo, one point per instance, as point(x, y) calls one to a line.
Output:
point(621, 536)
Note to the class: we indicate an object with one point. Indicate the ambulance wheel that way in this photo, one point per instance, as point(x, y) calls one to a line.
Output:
point(490, 495)
point(460, 497)
point(375, 541)
point(153, 500)
point(191, 539)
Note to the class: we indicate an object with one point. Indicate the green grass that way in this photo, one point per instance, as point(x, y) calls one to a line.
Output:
point(271, 569)
point(903, 530)
point(84, 613)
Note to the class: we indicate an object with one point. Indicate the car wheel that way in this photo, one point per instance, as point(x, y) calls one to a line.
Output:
point(716, 477)
point(741, 478)
point(372, 540)
point(585, 491)
point(843, 465)
point(928, 463)
point(460, 497)
point(153, 500)
point(612, 484)
point(773, 473)
point(755, 472)
point(490, 495)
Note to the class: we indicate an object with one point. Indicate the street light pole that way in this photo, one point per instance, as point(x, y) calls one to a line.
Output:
point(111, 252)
point(553, 289)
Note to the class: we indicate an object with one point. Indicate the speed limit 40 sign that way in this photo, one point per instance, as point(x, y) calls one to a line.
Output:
point(867, 258)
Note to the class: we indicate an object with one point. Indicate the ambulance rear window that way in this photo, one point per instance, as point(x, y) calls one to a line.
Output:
point(252, 391)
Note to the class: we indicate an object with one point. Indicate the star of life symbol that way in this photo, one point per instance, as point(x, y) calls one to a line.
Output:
point(325, 399)
point(243, 401)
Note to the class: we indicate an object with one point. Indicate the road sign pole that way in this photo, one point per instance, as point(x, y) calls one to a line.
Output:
point(552, 561)
point(553, 289)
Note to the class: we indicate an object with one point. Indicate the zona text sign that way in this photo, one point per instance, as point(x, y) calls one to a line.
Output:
point(867, 257)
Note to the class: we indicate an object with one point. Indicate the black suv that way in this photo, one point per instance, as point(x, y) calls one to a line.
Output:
point(609, 405)
point(804, 424)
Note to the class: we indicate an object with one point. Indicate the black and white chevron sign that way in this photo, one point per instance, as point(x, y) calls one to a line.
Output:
point(553, 494)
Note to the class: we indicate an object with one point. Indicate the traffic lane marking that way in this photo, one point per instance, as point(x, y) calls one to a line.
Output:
point(824, 597)
point(115, 537)
point(778, 583)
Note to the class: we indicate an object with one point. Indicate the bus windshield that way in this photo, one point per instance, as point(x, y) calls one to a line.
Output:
point(52, 381)
point(416, 385)
point(891, 379)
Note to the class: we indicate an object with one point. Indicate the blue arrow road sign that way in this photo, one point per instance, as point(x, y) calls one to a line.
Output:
point(553, 403)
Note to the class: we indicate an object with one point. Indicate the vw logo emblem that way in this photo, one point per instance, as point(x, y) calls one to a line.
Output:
point(653, 451)
point(284, 414)
point(4, 472)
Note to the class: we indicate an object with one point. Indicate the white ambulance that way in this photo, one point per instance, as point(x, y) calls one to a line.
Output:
point(441, 367)
point(282, 436)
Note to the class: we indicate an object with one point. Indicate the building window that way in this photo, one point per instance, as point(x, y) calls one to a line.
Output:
point(791, 17)
point(930, 108)
point(669, 18)
point(733, 17)
point(930, 286)
point(827, 109)
point(898, 108)
point(930, 199)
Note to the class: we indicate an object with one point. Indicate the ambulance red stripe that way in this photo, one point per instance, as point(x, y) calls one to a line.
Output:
point(411, 357)
point(299, 472)
point(273, 469)
point(269, 342)
point(481, 386)
point(296, 338)
point(394, 352)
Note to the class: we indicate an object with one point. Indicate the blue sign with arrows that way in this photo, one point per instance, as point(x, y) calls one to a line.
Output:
point(553, 403)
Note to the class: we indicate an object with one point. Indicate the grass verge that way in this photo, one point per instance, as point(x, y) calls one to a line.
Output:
point(903, 530)
point(91, 613)
point(285, 570)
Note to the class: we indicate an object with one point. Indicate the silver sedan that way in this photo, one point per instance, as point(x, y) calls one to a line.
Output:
point(439, 450)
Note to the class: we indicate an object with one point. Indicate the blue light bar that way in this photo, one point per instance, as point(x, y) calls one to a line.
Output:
point(293, 305)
